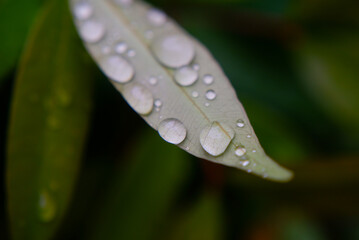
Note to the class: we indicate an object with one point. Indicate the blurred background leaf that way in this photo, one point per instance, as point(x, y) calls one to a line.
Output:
point(49, 120)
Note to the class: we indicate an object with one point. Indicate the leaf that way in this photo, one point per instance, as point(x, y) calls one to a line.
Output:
point(172, 82)
point(141, 194)
point(328, 66)
point(15, 20)
point(204, 220)
point(49, 121)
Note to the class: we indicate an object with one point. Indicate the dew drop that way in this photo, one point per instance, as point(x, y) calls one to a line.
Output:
point(174, 50)
point(195, 94)
point(245, 163)
point(216, 137)
point(153, 81)
point(211, 95)
point(186, 76)
point(118, 69)
point(240, 123)
point(158, 103)
point(172, 131)
point(131, 53)
point(121, 48)
point(156, 17)
point(139, 97)
point(83, 11)
point(196, 67)
point(47, 207)
point(208, 79)
point(92, 31)
point(240, 151)
point(249, 136)
point(254, 151)
point(207, 104)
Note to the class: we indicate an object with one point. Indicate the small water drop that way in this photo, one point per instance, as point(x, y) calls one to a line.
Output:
point(158, 103)
point(245, 163)
point(153, 81)
point(196, 67)
point(156, 17)
point(207, 104)
point(139, 98)
point(216, 137)
point(240, 151)
point(208, 79)
point(83, 11)
point(240, 123)
point(47, 207)
point(118, 69)
point(211, 95)
point(131, 53)
point(249, 136)
point(254, 151)
point(186, 76)
point(195, 94)
point(121, 48)
point(172, 131)
point(92, 31)
point(174, 50)
point(249, 170)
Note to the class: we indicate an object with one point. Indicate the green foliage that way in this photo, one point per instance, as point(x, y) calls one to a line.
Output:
point(48, 125)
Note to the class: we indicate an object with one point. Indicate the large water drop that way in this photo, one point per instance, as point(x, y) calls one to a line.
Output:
point(186, 76)
point(172, 131)
point(173, 51)
point(216, 137)
point(139, 98)
point(92, 31)
point(118, 69)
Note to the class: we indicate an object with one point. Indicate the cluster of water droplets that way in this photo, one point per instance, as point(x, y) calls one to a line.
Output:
point(176, 52)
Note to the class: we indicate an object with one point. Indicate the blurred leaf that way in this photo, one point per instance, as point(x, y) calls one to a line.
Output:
point(49, 120)
point(203, 221)
point(328, 64)
point(206, 124)
point(141, 195)
point(15, 19)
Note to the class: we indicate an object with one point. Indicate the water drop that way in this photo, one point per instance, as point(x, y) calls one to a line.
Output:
point(195, 94)
point(196, 67)
point(121, 48)
point(208, 79)
point(254, 151)
point(245, 163)
point(207, 104)
point(153, 81)
point(83, 11)
point(158, 103)
point(156, 17)
point(92, 31)
point(131, 53)
point(249, 136)
point(172, 131)
point(240, 123)
point(139, 97)
point(47, 207)
point(186, 76)
point(216, 137)
point(240, 151)
point(211, 95)
point(118, 69)
point(174, 50)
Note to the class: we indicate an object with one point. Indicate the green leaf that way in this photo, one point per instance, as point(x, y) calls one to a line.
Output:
point(204, 220)
point(140, 196)
point(173, 82)
point(48, 125)
point(15, 19)
point(328, 65)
